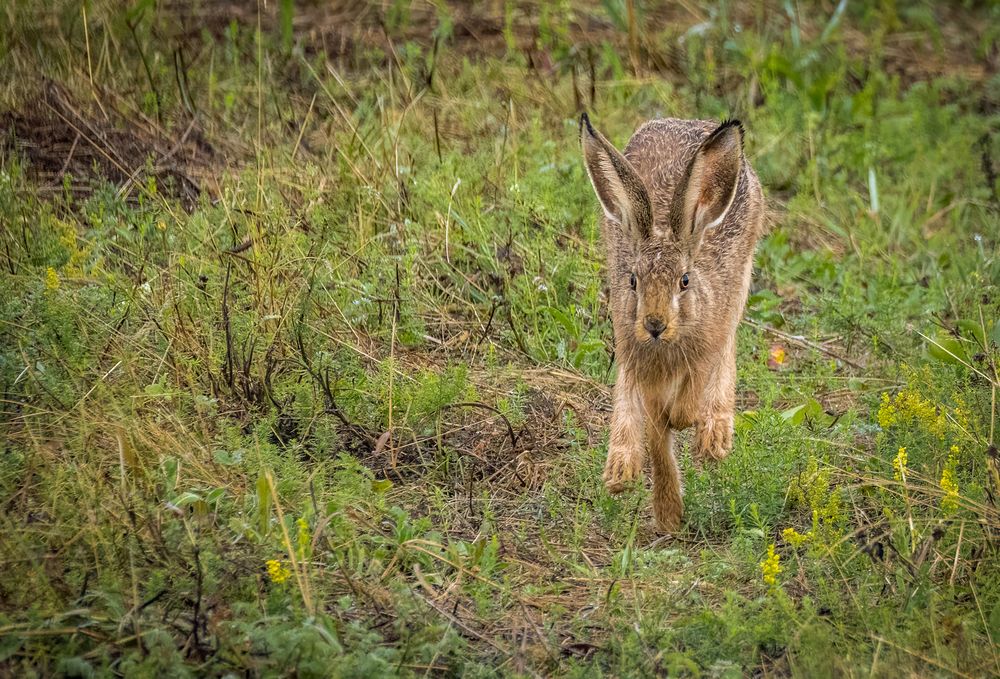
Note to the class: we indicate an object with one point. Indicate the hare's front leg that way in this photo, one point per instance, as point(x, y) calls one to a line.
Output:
point(625, 443)
point(713, 438)
point(668, 505)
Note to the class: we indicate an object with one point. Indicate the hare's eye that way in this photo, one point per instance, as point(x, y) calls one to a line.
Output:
point(632, 281)
point(684, 282)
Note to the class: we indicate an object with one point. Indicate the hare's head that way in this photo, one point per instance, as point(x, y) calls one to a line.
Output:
point(658, 252)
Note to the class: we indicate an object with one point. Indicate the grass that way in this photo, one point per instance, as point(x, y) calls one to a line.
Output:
point(304, 343)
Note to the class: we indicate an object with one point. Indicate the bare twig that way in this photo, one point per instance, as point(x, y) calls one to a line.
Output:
point(801, 341)
point(470, 404)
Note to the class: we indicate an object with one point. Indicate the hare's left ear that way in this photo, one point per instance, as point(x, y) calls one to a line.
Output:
point(710, 185)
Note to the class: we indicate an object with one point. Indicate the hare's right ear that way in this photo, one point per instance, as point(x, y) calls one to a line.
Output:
point(622, 194)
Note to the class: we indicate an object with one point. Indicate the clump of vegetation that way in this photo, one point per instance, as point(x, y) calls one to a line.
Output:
point(304, 348)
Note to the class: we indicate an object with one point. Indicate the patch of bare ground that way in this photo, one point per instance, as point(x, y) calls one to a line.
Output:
point(74, 146)
point(352, 31)
point(476, 443)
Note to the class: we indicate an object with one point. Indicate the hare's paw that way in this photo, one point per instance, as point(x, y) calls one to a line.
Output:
point(667, 510)
point(713, 439)
point(621, 470)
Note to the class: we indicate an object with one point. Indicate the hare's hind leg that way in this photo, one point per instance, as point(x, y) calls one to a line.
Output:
point(625, 443)
point(668, 505)
point(713, 438)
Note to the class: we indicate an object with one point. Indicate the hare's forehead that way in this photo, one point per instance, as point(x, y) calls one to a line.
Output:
point(661, 256)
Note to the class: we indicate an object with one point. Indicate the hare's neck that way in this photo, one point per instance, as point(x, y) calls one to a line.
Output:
point(657, 365)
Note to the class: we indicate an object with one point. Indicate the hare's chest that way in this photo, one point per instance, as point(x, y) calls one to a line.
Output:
point(674, 398)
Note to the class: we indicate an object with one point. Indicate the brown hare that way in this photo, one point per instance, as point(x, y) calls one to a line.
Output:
point(683, 211)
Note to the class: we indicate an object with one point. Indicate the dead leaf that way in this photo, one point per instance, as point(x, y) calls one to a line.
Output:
point(776, 357)
point(380, 443)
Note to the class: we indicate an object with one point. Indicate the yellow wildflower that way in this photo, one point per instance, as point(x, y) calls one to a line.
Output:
point(77, 256)
point(771, 566)
point(886, 412)
point(899, 465)
point(51, 279)
point(303, 537)
point(961, 413)
point(277, 572)
point(909, 406)
point(795, 538)
point(949, 484)
point(67, 235)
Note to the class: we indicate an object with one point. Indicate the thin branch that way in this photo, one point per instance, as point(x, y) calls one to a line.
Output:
point(801, 341)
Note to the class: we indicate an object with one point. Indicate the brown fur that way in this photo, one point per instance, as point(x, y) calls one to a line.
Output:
point(663, 200)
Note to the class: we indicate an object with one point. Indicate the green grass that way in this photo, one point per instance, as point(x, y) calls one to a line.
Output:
point(341, 409)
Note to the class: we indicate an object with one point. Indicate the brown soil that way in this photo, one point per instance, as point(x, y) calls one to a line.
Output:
point(73, 146)
point(350, 31)
point(473, 443)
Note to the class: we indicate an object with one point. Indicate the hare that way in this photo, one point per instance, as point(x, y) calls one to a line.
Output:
point(682, 213)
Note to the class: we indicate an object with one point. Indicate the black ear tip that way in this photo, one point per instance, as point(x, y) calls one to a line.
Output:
point(730, 123)
point(728, 127)
point(585, 123)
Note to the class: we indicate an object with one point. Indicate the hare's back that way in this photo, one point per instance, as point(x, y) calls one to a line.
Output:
point(660, 151)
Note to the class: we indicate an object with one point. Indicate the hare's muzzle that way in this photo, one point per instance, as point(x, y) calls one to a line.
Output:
point(654, 326)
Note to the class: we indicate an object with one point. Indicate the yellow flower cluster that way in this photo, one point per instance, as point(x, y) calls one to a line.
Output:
point(303, 537)
point(949, 484)
point(51, 279)
point(795, 538)
point(771, 566)
point(68, 239)
point(909, 406)
point(886, 412)
point(961, 413)
point(277, 572)
point(899, 465)
point(814, 488)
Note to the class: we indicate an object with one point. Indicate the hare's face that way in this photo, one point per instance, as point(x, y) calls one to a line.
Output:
point(661, 282)
point(660, 249)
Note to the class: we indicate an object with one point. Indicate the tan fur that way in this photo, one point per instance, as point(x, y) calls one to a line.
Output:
point(681, 199)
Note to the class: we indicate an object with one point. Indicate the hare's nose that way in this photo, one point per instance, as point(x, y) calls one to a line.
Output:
point(654, 326)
